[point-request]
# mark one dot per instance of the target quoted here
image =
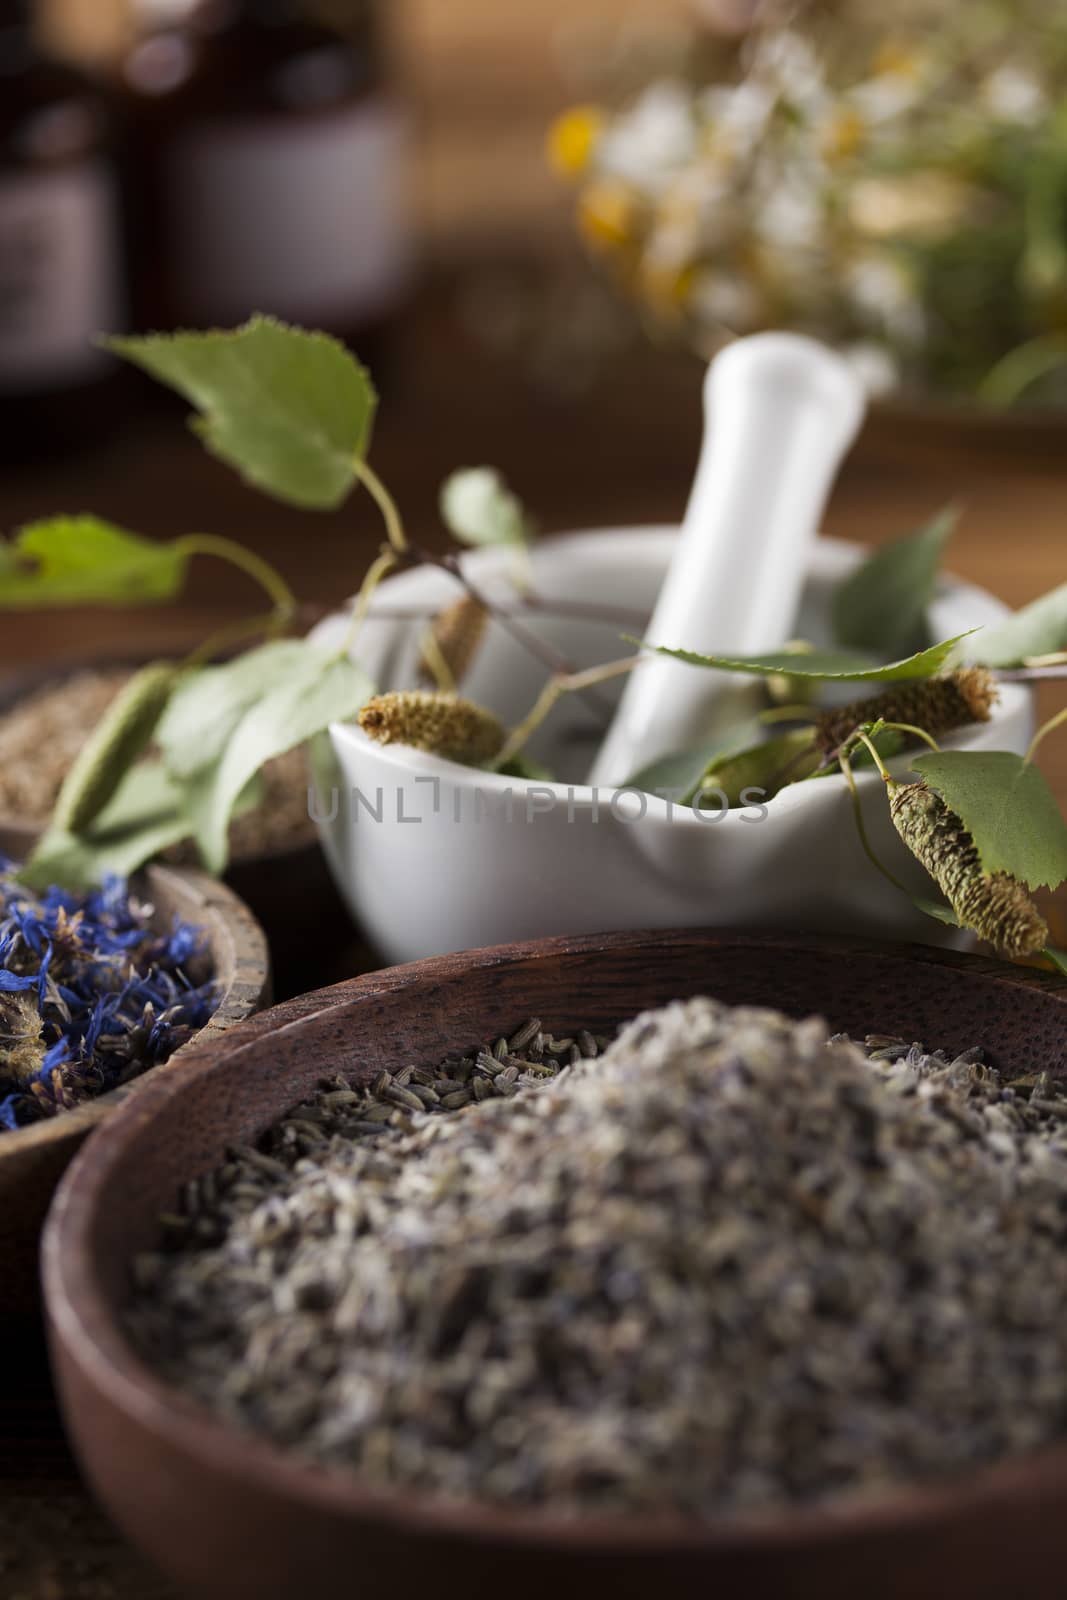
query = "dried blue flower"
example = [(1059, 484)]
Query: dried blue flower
[(90, 994)]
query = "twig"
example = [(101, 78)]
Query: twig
[(1029, 674), (558, 665)]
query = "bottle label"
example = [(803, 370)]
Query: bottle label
[(59, 275), (301, 218)]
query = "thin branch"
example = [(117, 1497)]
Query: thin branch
[(379, 568), (563, 683), (1053, 722), (1030, 674), (549, 658)]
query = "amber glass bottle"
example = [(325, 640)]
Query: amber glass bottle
[(61, 276), (268, 168)]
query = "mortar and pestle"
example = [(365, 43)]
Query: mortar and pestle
[(432, 856)]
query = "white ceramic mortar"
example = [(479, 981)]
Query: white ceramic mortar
[(525, 860)]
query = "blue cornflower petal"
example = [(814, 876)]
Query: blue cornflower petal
[(55, 1055), (92, 988), (16, 982), (42, 978), (9, 1111), (184, 942)]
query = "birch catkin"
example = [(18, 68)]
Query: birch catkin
[(443, 724), (457, 632), (995, 905), (937, 705)]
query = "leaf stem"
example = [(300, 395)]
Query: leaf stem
[(379, 568), (917, 733), (562, 683), (861, 826), (394, 525), (1053, 722), (434, 658), (230, 633), (268, 578), (865, 739)]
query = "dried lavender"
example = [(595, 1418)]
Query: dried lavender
[(91, 994), (728, 1263)]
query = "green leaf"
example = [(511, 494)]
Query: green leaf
[(113, 746), (207, 706), (85, 561), (681, 772), (321, 689), (1057, 957), (1039, 629), (883, 605), (145, 816), (1008, 808), (291, 410), (829, 666), (524, 767), (769, 766), (478, 508), (940, 910)]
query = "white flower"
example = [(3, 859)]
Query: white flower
[(874, 366), (791, 63), (652, 140), (879, 287), (791, 218), (1014, 95), (727, 300), (737, 116)]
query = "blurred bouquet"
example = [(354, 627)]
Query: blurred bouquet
[(903, 196)]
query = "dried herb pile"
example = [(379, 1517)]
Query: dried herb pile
[(90, 994), (727, 1264)]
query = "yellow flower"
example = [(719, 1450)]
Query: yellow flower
[(896, 59), (607, 214), (572, 138), (843, 135), (665, 286)]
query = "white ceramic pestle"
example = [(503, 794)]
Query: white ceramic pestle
[(780, 411)]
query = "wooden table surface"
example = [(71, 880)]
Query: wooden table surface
[(621, 451)]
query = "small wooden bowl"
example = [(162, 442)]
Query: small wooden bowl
[(228, 1515), (33, 1159)]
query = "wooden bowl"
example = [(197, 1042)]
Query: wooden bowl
[(226, 1514), (33, 1159)]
